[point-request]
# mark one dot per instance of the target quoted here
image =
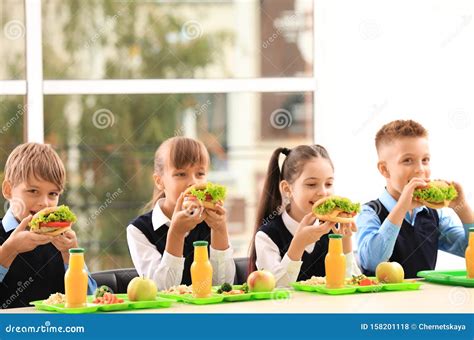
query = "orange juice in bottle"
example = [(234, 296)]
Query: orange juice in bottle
[(335, 263), (470, 255), (201, 271), (75, 280)]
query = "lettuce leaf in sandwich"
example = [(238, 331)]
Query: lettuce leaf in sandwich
[(340, 203), (61, 214), (436, 192), (215, 192)]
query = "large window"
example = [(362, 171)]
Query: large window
[(12, 40), (12, 70), (110, 80), (109, 39), (12, 111)]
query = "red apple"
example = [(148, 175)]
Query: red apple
[(390, 272), (141, 289), (261, 281)]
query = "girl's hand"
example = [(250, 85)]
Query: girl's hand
[(185, 220), (216, 219), (345, 229), (309, 233)]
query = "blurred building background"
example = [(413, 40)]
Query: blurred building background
[(107, 81), (108, 140)]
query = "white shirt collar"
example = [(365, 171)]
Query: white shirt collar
[(389, 203), (158, 217), (289, 222), (9, 221)]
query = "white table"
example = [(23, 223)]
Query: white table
[(430, 298)]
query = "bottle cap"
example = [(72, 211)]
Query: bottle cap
[(200, 243)]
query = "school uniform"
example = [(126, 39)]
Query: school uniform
[(414, 244), (146, 237), (33, 275), (272, 242)]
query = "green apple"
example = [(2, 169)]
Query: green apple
[(141, 289), (390, 272), (261, 281)]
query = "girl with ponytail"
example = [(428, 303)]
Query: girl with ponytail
[(288, 240)]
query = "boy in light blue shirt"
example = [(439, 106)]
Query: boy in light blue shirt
[(397, 228)]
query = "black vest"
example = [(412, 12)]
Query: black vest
[(313, 264), (201, 232), (33, 275), (416, 247)]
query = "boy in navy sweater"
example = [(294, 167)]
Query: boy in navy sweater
[(397, 228), (32, 266)]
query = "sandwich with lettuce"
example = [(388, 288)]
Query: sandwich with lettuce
[(436, 195), (205, 195), (335, 209), (52, 220)]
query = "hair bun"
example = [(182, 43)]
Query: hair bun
[(285, 151)]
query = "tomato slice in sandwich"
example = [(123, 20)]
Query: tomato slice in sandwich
[(55, 224)]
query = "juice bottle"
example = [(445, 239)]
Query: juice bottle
[(335, 263), (470, 255), (201, 271), (75, 280)]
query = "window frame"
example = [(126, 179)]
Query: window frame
[(35, 87)]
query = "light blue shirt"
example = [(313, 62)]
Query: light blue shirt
[(376, 240), (10, 223)]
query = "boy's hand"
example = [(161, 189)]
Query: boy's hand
[(460, 201), (185, 220), (22, 241), (406, 200), (64, 242), (460, 205)]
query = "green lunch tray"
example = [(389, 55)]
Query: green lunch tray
[(276, 294), (234, 298), (175, 297), (215, 298), (451, 277), (159, 302), (237, 297), (351, 289), (92, 307)]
